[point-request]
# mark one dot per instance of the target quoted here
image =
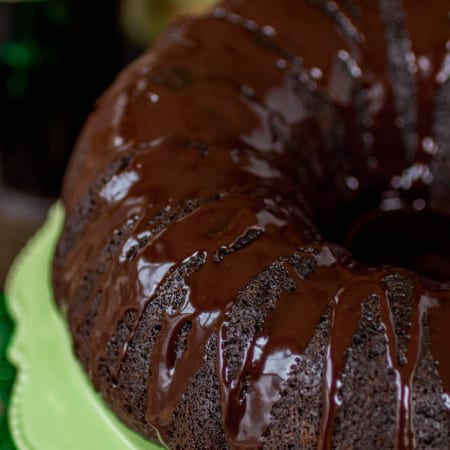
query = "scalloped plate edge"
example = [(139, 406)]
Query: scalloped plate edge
[(52, 406)]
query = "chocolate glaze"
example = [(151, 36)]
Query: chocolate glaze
[(226, 149)]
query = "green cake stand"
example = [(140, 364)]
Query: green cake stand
[(52, 406)]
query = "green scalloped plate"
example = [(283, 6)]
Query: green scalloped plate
[(53, 406)]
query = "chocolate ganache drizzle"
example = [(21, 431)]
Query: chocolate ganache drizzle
[(203, 299)]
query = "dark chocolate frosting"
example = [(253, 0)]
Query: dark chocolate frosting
[(197, 199)]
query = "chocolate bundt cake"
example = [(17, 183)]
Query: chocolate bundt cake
[(236, 209)]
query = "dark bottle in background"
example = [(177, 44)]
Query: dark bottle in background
[(56, 57), (33, 117)]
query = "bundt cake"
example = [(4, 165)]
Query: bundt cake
[(236, 208)]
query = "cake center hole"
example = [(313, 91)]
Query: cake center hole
[(418, 241)]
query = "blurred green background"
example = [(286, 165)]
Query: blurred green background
[(7, 373)]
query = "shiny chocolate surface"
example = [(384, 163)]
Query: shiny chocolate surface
[(239, 141)]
